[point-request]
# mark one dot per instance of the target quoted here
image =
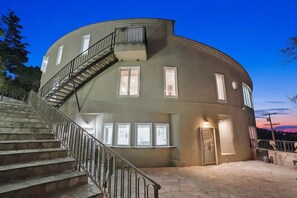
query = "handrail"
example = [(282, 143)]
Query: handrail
[(124, 35), (78, 61), (278, 145), (113, 174)]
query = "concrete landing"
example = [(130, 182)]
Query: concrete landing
[(249, 179)]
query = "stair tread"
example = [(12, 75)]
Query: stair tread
[(39, 180), (12, 152), (36, 163), (86, 190), (25, 141)]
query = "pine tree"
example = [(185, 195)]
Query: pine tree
[(12, 49)]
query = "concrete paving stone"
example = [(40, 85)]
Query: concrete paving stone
[(239, 179)]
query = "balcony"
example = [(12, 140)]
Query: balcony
[(130, 44)]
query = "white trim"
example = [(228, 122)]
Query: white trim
[(217, 78), (247, 95), (129, 77), (85, 38), (116, 135), (164, 82), (112, 133), (136, 135), (59, 54), (44, 64), (167, 134)]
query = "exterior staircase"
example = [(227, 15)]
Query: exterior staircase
[(93, 61), (32, 161)]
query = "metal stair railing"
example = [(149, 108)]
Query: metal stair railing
[(114, 175), (125, 35), (107, 43)]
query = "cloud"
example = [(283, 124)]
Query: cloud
[(260, 113), (276, 102)]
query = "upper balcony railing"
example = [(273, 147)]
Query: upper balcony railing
[(114, 175), (130, 35), (277, 145)]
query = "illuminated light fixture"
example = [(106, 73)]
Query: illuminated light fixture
[(206, 122)]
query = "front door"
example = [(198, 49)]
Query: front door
[(208, 146)]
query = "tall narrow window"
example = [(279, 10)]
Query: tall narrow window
[(107, 133), (129, 81), (143, 134), (247, 95), (123, 134), (162, 134), (59, 55), (44, 64), (221, 88), (85, 44), (170, 88)]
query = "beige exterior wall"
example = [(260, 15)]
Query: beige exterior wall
[(197, 95)]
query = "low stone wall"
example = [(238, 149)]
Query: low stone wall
[(283, 158)]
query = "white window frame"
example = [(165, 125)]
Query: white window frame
[(224, 99), (85, 41), (44, 64), (117, 133), (167, 134), (165, 82), (136, 134), (247, 95), (129, 78), (112, 133), (59, 54)]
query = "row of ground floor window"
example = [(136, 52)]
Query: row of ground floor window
[(146, 134)]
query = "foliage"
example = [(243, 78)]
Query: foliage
[(14, 75), (12, 49), (291, 50), (291, 53)]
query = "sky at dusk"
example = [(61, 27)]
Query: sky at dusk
[(250, 31)]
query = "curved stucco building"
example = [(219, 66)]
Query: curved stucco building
[(156, 98)]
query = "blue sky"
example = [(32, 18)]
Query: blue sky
[(250, 31)]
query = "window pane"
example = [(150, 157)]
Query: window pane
[(134, 76), (247, 95), (124, 82), (85, 43), (107, 134), (143, 134), (44, 64), (123, 134), (162, 135), (170, 82), (59, 55), (221, 87)]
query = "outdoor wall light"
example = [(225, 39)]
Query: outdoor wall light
[(206, 122)]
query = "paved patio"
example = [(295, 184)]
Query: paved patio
[(231, 180)]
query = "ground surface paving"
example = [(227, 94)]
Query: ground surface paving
[(231, 180)]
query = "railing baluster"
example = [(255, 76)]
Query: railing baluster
[(110, 172)]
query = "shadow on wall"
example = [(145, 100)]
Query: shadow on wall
[(157, 39)]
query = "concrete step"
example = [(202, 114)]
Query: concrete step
[(38, 187), (36, 168), (4, 124), (28, 144), (41, 129), (15, 107), (27, 155), (85, 191), (13, 118), (27, 136)]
